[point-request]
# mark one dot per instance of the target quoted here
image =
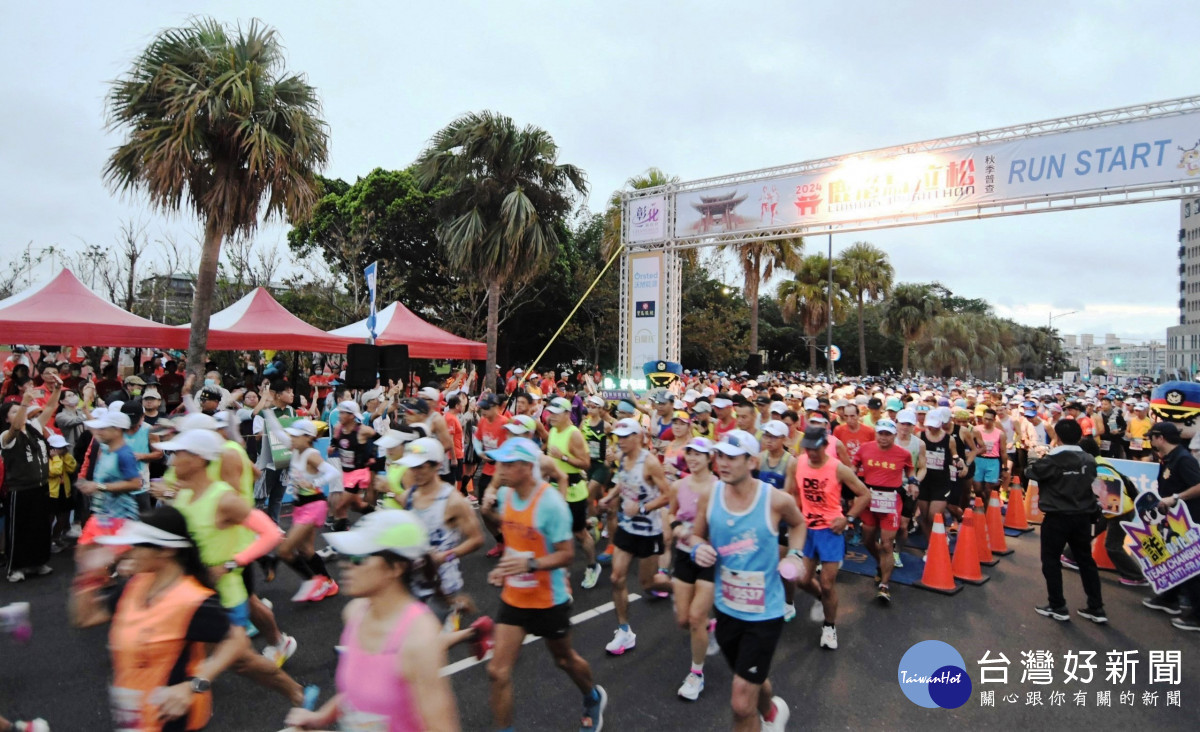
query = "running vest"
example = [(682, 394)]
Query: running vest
[(775, 474), (631, 481), (687, 500), (991, 443), (747, 544), (395, 481), (576, 480), (375, 695), (530, 590), (913, 447), (658, 433), (146, 643), (299, 473), (594, 437), (938, 461), (442, 538), (819, 492), (217, 546)]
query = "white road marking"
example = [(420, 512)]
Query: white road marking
[(470, 661)]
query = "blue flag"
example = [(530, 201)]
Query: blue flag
[(370, 272)]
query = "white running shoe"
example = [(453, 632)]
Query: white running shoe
[(327, 553), (829, 637), (713, 647), (279, 654), (75, 531), (623, 640), (789, 612), (306, 590), (270, 605), (692, 686), (591, 576), (896, 560), (781, 716), (817, 612)]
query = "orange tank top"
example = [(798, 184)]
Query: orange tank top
[(146, 643), (522, 538), (819, 492)]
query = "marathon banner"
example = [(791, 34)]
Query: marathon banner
[(1166, 542), (646, 319), (647, 219), (858, 189)]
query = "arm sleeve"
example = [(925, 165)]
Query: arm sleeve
[(268, 536), (209, 624)]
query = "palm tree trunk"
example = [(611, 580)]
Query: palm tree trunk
[(202, 302), (493, 316), (904, 359), (752, 292), (812, 356), (862, 339)]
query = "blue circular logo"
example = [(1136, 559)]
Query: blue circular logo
[(933, 674)]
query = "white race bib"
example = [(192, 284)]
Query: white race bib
[(126, 705), (524, 580), (744, 591), (352, 720), (884, 501), (935, 460), (1105, 445), (1135, 443)]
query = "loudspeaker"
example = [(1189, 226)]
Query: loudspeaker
[(393, 364), (362, 364), (754, 364)]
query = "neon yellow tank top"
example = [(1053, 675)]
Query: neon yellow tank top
[(395, 480), (246, 489), (217, 546), (577, 490)]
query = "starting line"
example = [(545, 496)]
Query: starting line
[(470, 661)]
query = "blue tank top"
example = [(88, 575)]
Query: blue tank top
[(776, 476), (747, 570)]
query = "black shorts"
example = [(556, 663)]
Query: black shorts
[(248, 578), (550, 622), (908, 506), (482, 483), (453, 476), (688, 572), (578, 515), (748, 647), (601, 473), (639, 546), (933, 491)]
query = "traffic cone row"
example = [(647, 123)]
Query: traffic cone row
[(1014, 516), (938, 575), (1033, 514)]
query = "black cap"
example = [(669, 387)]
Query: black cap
[(1077, 406), (1169, 431), (874, 403), (762, 401), (487, 401), (815, 438), (210, 392), (133, 409), (411, 404)]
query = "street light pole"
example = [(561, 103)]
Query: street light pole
[(829, 313)]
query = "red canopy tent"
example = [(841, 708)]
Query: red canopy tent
[(64, 311), (396, 325), (258, 322)]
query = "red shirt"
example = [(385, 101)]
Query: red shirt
[(456, 433), (881, 468), (856, 439), (491, 435)]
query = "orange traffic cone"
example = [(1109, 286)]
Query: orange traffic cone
[(1033, 514), (938, 575), (1014, 517), (983, 549), (996, 540), (966, 561), (1100, 554)]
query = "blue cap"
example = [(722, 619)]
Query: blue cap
[(1030, 412), (626, 406), (516, 450)]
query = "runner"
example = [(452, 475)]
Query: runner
[(885, 468), (737, 526), (906, 425), (567, 445), (692, 583), (988, 458), (941, 458), (489, 435), (776, 468), (642, 489), (388, 669), (351, 443), (818, 489), (1137, 432), (533, 573)]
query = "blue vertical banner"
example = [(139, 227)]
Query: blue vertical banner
[(370, 272)]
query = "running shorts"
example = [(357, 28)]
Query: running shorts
[(98, 526), (355, 480), (931, 491), (908, 505), (987, 470), (885, 521), (824, 545), (239, 615), (748, 646), (639, 546), (312, 513), (551, 622), (579, 511), (601, 473), (689, 572)]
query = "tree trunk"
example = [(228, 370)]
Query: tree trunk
[(904, 359), (493, 315), (752, 291), (862, 339), (812, 356), (206, 282)]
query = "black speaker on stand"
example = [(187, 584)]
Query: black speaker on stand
[(393, 364), (754, 364), (362, 365)]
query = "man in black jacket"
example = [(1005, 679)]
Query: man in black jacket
[(1065, 496)]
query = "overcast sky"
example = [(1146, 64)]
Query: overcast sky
[(697, 89)]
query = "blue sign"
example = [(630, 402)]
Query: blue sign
[(643, 309)]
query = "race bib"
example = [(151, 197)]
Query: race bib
[(935, 460), (1135, 443), (884, 501), (744, 591), (953, 472), (353, 720), (126, 705), (594, 450), (524, 580), (1105, 445)]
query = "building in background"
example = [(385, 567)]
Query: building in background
[(1183, 340), (1116, 358)]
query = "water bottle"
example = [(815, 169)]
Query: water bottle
[(14, 621)]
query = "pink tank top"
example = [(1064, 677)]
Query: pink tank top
[(375, 695), (687, 499)]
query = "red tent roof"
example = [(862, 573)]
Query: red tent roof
[(258, 322), (396, 324), (64, 311)]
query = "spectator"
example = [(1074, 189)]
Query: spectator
[(171, 386), (26, 459)]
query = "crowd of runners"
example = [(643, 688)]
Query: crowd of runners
[(730, 494)]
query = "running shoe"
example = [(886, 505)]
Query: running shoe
[(33, 725), (623, 640), (280, 653), (495, 551), (593, 711), (17, 576), (1190, 623), (829, 637), (57, 546), (482, 641), (884, 595), (591, 576), (1095, 615), (1155, 603), (75, 532), (692, 686), (779, 724), (270, 605), (329, 589), (817, 612), (1134, 582), (789, 612), (604, 558), (713, 647), (1058, 613), (1068, 562), (897, 560), (307, 587), (327, 553)]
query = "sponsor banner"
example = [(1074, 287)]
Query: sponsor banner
[(646, 319), (1155, 151), (647, 219), (1166, 542)]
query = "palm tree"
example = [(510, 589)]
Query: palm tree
[(805, 298), (506, 193), (652, 178), (870, 277), (214, 122), (907, 313), (758, 261)]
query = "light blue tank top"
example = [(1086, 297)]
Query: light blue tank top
[(747, 571)]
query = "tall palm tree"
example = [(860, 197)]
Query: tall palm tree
[(805, 299), (907, 312), (215, 123), (758, 260), (870, 279), (506, 193), (652, 178)]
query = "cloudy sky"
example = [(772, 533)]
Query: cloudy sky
[(697, 88)]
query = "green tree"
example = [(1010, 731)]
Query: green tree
[(505, 194), (805, 299), (908, 311), (758, 260), (214, 122), (714, 322), (869, 274)]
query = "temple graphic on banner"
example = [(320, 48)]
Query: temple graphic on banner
[(720, 207)]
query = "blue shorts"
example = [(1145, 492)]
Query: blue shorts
[(239, 615), (987, 470), (824, 545)]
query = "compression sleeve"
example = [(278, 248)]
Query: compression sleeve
[(268, 536)]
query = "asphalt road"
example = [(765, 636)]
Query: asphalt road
[(62, 673)]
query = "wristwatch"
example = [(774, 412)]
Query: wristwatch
[(200, 685), (532, 565), (231, 565), (102, 487)]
